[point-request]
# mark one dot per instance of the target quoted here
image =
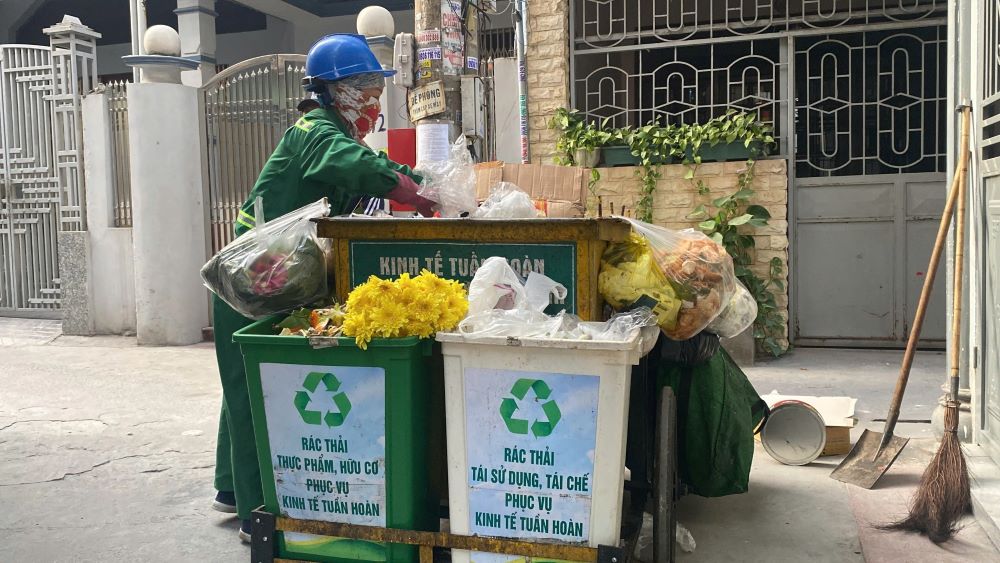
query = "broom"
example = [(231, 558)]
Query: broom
[(944, 495)]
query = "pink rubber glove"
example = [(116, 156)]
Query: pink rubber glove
[(405, 192)]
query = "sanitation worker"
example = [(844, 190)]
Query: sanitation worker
[(322, 155)]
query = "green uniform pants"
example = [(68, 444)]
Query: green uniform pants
[(236, 466)]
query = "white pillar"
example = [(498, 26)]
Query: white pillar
[(168, 213), (196, 26)]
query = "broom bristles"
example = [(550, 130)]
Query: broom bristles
[(944, 495)]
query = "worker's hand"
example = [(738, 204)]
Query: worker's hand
[(405, 192)]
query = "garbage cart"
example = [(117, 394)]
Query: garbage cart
[(566, 250)]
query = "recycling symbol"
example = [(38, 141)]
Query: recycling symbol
[(332, 384), (521, 426)]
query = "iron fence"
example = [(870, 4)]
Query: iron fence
[(121, 175)]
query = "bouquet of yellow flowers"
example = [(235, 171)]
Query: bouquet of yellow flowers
[(409, 306)]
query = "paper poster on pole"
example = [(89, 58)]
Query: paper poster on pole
[(432, 142), (326, 430), (451, 14), (426, 101), (531, 463), (453, 50)]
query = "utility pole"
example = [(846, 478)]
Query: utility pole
[(446, 49)]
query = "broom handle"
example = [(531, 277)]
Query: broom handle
[(925, 293), (956, 317)]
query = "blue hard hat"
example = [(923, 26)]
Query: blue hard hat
[(341, 55)]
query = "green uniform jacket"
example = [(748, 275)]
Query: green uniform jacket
[(317, 158)]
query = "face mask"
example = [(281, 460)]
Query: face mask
[(367, 121)]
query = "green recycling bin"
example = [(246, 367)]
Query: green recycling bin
[(341, 437)]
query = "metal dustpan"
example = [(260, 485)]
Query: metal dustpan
[(869, 460), (875, 452)]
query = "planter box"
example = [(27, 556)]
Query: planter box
[(723, 152)]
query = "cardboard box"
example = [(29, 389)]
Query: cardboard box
[(563, 189), (838, 416)]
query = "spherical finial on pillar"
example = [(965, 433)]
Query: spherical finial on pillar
[(375, 21), (162, 40)]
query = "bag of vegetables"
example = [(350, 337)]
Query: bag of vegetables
[(684, 277), (274, 267)]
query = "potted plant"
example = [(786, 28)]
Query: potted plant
[(579, 141)]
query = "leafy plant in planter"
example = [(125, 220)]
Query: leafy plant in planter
[(653, 145), (579, 140), (722, 221)]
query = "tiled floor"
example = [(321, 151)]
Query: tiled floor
[(28, 332)]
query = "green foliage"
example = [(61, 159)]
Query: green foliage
[(577, 134), (726, 220)]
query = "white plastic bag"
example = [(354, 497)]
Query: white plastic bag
[(507, 201), (738, 315), (274, 267), (644, 545), (495, 286), (450, 183)]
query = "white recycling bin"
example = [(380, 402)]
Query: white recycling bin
[(536, 438)]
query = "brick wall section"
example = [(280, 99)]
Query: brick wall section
[(547, 72), (676, 197)]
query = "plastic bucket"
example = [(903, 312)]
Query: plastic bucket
[(794, 433)]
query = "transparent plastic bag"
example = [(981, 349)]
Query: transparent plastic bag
[(739, 314), (684, 277), (451, 183), (507, 201), (273, 268)]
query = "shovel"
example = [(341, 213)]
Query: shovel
[(876, 451)]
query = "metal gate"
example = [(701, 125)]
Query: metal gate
[(248, 107), (856, 94), (986, 81), (30, 193)]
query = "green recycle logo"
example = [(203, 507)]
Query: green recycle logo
[(332, 384), (521, 426)]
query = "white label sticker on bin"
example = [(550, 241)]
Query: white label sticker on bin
[(326, 429), (531, 457)]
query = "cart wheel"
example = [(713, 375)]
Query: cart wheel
[(664, 515)]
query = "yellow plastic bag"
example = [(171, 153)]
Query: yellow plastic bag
[(630, 278)]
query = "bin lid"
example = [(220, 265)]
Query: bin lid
[(534, 342)]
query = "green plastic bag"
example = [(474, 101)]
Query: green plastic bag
[(718, 413)]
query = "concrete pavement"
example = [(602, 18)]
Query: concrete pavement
[(107, 452)]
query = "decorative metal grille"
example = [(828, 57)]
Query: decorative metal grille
[(603, 24), (30, 193), (248, 107), (679, 84), (871, 103), (118, 117), (868, 100), (990, 35)]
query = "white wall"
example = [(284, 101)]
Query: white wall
[(12, 12), (306, 34), (110, 269)]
